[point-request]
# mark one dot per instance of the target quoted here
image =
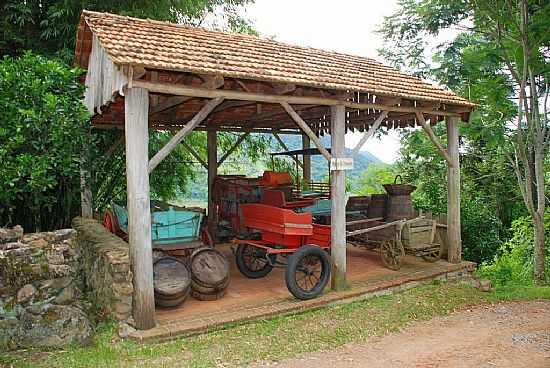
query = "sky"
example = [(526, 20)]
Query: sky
[(346, 26)]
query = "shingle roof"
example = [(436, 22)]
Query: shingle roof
[(167, 46)]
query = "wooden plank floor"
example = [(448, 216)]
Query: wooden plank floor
[(243, 294)]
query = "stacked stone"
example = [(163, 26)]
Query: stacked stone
[(40, 293), (105, 263)]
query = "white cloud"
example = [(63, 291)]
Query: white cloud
[(346, 26)]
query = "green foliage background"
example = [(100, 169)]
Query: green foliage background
[(41, 115), (472, 64), (44, 128)]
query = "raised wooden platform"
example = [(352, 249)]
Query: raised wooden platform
[(248, 299)]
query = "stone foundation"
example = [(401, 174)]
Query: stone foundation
[(40, 290), (105, 267)]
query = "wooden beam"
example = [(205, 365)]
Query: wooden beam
[(179, 136), (298, 162), (282, 88), (209, 82), (231, 104), (195, 154), (433, 138), (370, 132), (388, 100), (154, 98), (277, 116), (306, 129), (259, 97), (212, 147), (338, 200), (233, 148), (136, 103), (86, 200), (453, 194), (306, 159)]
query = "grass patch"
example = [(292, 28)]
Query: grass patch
[(279, 337)]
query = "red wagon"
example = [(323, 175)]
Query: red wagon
[(284, 237)]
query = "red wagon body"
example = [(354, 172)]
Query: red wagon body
[(292, 236)]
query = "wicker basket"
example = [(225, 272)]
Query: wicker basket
[(399, 189)]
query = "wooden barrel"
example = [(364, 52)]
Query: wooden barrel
[(399, 207), (399, 204), (209, 274), (377, 206), (171, 281)]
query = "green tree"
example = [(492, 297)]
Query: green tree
[(372, 179), (499, 59), (49, 26), (171, 178), (41, 122)]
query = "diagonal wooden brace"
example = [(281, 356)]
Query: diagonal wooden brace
[(282, 143), (179, 136), (195, 154), (306, 129), (433, 138), (233, 148), (369, 133)]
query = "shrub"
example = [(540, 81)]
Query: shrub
[(41, 135), (480, 231), (514, 264)]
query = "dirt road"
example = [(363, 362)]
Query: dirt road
[(503, 335)]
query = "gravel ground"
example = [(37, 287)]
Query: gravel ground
[(502, 335)]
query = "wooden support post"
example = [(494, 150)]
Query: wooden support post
[(306, 160), (179, 136), (338, 203), (212, 142), (453, 193), (136, 105), (86, 205)]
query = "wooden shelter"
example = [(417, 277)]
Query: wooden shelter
[(144, 74)]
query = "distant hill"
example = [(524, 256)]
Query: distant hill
[(319, 166), (197, 188)]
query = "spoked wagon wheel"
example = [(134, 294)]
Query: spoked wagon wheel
[(432, 256), (392, 253), (252, 261), (307, 272)]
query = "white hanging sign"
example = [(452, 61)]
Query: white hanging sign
[(341, 163)]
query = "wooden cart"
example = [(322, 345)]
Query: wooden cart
[(176, 230), (394, 239), (288, 239)]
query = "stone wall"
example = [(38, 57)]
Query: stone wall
[(40, 290), (105, 265)]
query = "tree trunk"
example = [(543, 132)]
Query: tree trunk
[(539, 267)]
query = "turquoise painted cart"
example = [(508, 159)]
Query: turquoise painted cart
[(172, 227)]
